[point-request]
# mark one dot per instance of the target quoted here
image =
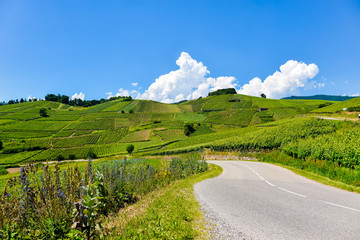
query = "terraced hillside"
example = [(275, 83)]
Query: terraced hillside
[(106, 129)]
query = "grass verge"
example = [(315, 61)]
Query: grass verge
[(168, 213), (315, 170)]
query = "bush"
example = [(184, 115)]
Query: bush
[(1, 145), (72, 157), (188, 129), (3, 170), (130, 148), (91, 155), (43, 112), (60, 157)]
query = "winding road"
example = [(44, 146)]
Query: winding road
[(254, 200)]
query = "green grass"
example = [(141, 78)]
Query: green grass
[(169, 213)]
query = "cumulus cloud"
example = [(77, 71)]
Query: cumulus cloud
[(78, 96), (292, 76), (188, 82), (191, 80)]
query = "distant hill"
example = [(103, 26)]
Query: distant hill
[(323, 97), (350, 105)]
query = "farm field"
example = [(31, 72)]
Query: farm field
[(153, 128)]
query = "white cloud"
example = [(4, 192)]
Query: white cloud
[(134, 84), (78, 96), (293, 75), (191, 81), (188, 82)]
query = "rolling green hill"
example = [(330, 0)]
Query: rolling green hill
[(340, 106), (106, 129)]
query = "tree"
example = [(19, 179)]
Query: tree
[(263, 95), (91, 155), (1, 145), (130, 148), (60, 158), (131, 111), (189, 129), (43, 112)]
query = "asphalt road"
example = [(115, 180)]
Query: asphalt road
[(253, 200)]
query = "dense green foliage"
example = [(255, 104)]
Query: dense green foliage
[(223, 91), (71, 203)]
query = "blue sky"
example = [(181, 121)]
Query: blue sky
[(97, 47)]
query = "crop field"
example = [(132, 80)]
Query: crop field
[(35, 126), (137, 136), (64, 133), (216, 103), (156, 107), (169, 135), (82, 132), (117, 107), (8, 135), (8, 159), (38, 142), (339, 106), (103, 128), (189, 117), (98, 124), (113, 136), (130, 106), (75, 141)]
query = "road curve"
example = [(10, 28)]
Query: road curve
[(254, 200)]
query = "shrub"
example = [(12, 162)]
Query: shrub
[(43, 112), (72, 157), (1, 145), (60, 157), (130, 148), (188, 129), (3, 170), (91, 155)]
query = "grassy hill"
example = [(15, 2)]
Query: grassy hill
[(106, 129), (340, 106)]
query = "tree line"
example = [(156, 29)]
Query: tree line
[(79, 102), (67, 100)]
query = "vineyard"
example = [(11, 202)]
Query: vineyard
[(221, 122)]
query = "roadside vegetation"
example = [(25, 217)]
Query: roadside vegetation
[(72, 203)]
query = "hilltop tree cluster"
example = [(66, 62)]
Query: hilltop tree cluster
[(18, 101), (79, 102)]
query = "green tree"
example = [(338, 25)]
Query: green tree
[(130, 148), (189, 129), (263, 95), (1, 145), (91, 155), (43, 112)]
